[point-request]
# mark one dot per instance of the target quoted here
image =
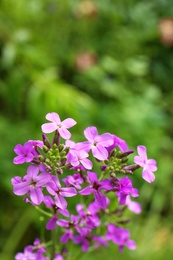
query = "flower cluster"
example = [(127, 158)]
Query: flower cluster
[(61, 168)]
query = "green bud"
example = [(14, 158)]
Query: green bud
[(60, 147), (45, 148), (54, 146), (41, 158)]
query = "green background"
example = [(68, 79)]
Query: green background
[(106, 63)]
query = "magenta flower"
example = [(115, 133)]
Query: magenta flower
[(77, 157), (97, 143), (27, 254), (54, 188), (57, 124), (82, 239), (95, 187), (124, 189), (32, 252), (120, 236), (49, 202), (88, 217), (148, 165), (58, 257), (32, 184), (73, 180), (24, 153)]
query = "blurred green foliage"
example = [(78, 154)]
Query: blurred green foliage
[(103, 63)]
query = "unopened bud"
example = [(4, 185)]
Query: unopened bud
[(46, 141)]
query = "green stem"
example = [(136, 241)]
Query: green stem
[(53, 244), (43, 211)]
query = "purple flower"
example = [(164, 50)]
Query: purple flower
[(83, 239), (99, 241), (124, 189), (120, 236), (88, 218), (49, 202), (31, 184), (35, 144), (68, 225), (58, 257), (24, 153), (95, 187), (27, 254), (73, 180), (55, 189), (77, 157), (57, 124), (148, 165), (97, 143), (32, 252)]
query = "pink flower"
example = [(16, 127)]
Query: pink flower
[(148, 165), (55, 189), (97, 143), (32, 184), (24, 153), (57, 124)]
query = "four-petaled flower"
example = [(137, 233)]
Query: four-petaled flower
[(32, 184), (95, 187), (57, 124), (97, 143), (55, 189), (24, 153), (120, 236), (148, 165)]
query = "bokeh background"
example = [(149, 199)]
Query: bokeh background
[(107, 63)]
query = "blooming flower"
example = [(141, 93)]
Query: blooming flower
[(31, 184), (24, 153), (73, 180), (49, 202), (120, 236), (55, 189), (88, 217), (148, 165), (57, 124), (95, 187), (32, 252), (82, 239), (77, 157), (124, 189), (97, 143)]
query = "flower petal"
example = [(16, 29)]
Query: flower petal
[(148, 176), (36, 195), (64, 133), (68, 192), (49, 128), (69, 122), (53, 117), (90, 133), (142, 151), (100, 152)]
